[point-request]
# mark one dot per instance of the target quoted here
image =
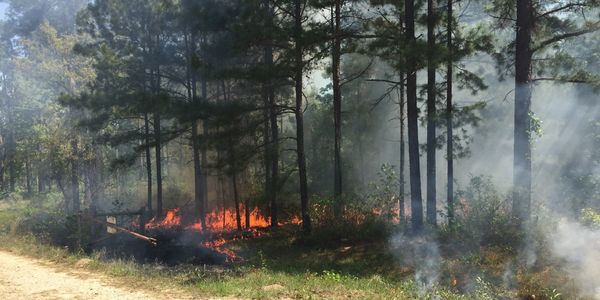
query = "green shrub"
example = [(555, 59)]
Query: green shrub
[(590, 218), (483, 218), (51, 226), (334, 233)]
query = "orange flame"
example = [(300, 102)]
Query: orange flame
[(227, 220), (220, 221), (172, 219)]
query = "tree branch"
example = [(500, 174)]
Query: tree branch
[(358, 74), (561, 8), (561, 80), (567, 35), (386, 81)]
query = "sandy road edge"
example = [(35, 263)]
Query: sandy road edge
[(37, 278)]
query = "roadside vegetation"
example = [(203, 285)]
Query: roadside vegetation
[(376, 261)]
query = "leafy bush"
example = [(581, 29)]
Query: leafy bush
[(384, 192), (590, 218), (51, 226), (334, 232), (483, 217)]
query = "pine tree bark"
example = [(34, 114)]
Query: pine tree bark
[(75, 201), (268, 150), (95, 179), (11, 143), (236, 196), (449, 112), (431, 115), (11, 156), (148, 165), (273, 143), (198, 186), (204, 154), (522, 117), (158, 159), (2, 181), (247, 212), (87, 190), (40, 181), (337, 110), (413, 126), (402, 192), (158, 131), (274, 158), (299, 70), (12, 174), (28, 175)]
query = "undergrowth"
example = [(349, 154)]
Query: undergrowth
[(478, 257)]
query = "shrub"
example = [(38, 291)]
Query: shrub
[(590, 218), (51, 226), (483, 217)]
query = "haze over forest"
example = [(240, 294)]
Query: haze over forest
[(382, 149)]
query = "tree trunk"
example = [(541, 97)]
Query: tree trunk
[(65, 192), (11, 145), (299, 66), (204, 164), (41, 172), (198, 186), (148, 165), (236, 196), (431, 115), (401, 195), (522, 142), (268, 152), (198, 190), (449, 125), (95, 179), (87, 189), (12, 174), (413, 126), (2, 181), (157, 138), (204, 168), (272, 157), (11, 156), (76, 202), (28, 179), (247, 211), (40, 181), (337, 110), (222, 193)]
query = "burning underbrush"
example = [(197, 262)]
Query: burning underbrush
[(173, 241)]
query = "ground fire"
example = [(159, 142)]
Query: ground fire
[(221, 228)]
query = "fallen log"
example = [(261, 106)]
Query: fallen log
[(150, 240)]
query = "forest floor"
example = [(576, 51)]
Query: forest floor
[(276, 265), (29, 278)]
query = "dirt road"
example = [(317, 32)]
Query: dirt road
[(26, 278)]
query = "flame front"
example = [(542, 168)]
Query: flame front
[(226, 220), (220, 222), (172, 219)]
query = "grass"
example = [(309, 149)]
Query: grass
[(283, 265)]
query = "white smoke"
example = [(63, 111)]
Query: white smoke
[(421, 253), (579, 247)]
